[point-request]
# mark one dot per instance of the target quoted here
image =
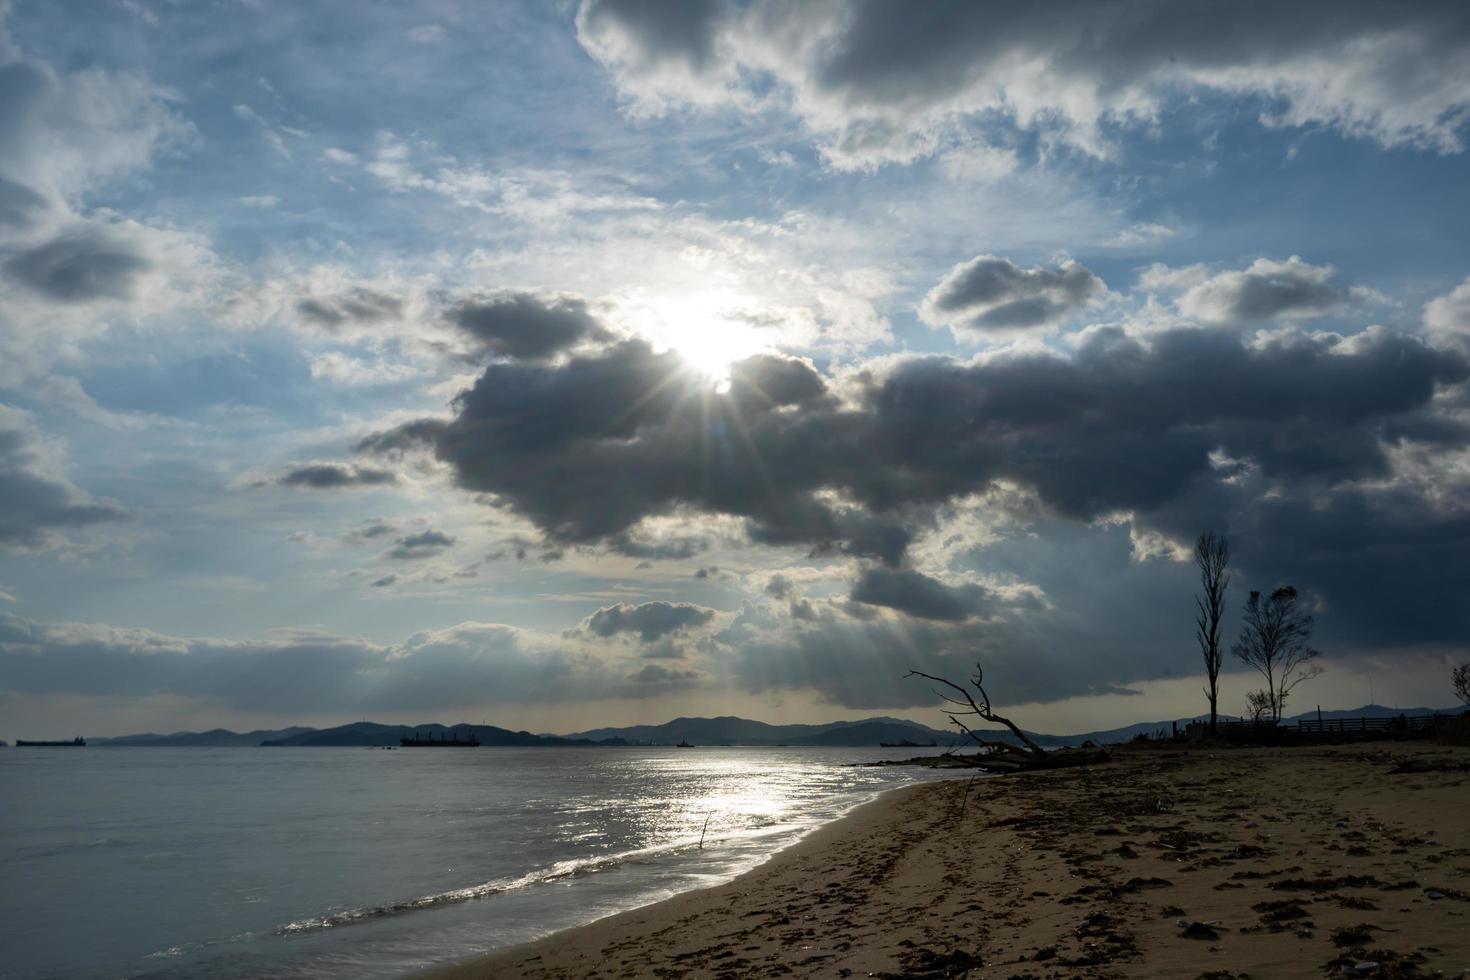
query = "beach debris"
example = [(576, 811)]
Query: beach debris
[(1139, 884), (1362, 962), (1354, 935), (1276, 915), (1198, 930), (925, 964)]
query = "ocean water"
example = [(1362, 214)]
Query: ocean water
[(305, 863)]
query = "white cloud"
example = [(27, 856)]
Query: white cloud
[(1267, 290), (875, 84), (1447, 317)]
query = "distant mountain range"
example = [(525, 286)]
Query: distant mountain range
[(742, 731), (726, 730)]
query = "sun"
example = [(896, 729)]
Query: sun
[(708, 330)]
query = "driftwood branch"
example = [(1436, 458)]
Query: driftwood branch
[(981, 709)]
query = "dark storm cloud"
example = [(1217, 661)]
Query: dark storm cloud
[(991, 295), (650, 620), (35, 503), (874, 83), (635, 424), (335, 476), (682, 33), (918, 595), (79, 266), (425, 544), (354, 306), (1122, 425), (384, 582), (525, 325)]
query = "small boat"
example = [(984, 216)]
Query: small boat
[(683, 743), (444, 742), (78, 741)]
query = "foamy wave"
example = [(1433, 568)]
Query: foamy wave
[(556, 872)]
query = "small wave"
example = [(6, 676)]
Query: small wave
[(749, 829), (559, 871)]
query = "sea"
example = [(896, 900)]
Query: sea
[(352, 862)]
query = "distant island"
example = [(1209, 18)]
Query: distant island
[(722, 731)]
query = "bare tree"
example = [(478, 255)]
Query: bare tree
[(1212, 555), (1257, 705), (1273, 640), (1460, 678), (967, 707)]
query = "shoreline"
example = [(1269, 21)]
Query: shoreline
[(470, 967), (1167, 863)]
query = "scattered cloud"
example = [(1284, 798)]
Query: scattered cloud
[(990, 297), (1268, 290), (650, 620), (524, 325), (424, 544), (37, 501), (335, 476), (873, 85)]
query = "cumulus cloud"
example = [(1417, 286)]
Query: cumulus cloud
[(1269, 290), (335, 476), (874, 84), (638, 424), (368, 531), (989, 297), (424, 544), (1122, 425), (658, 674), (665, 548), (79, 267), (650, 620), (62, 134), (37, 501), (294, 671), (1447, 317), (20, 206), (918, 595), (356, 306), (525, 325)]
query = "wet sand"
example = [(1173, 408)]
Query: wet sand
[(1165, 863)]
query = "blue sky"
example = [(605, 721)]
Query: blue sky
[(320, 327)]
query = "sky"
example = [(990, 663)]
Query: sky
[(559, 365)]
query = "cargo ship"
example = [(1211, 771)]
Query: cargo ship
[(76, 741), (416, 741)]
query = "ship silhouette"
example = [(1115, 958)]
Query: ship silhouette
[(448, 741)]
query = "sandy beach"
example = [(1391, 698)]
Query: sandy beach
[(1341, 861)]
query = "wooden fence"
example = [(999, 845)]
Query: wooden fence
[(1321, 729)]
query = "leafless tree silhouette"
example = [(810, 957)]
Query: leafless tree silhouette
[(1212, 555), (965, 706), (1258, 705), (1273, 640), (1460, 678)]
